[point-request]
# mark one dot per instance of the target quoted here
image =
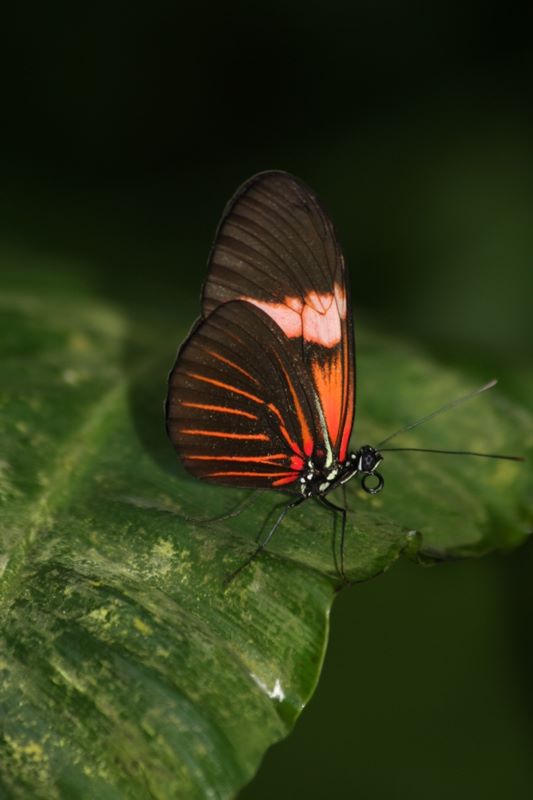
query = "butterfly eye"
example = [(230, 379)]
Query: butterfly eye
[(369, 462), (369, 458)]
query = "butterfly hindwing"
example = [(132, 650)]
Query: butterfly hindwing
[(238, 408)]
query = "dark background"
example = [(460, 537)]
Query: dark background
[(412, 122), (124, 130)]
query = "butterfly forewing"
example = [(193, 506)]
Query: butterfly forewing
[(277, 248), (275, 348), (274, 241)]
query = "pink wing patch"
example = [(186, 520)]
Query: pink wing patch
[(317, 318)]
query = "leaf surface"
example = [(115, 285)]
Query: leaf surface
[(129, 670)]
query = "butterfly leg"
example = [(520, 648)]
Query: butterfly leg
[(345, 497), (334, 508), (261, 546)]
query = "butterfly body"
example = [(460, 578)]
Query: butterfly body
[(318, 482)]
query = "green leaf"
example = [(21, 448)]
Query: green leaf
[(461, 505), (129, 670)]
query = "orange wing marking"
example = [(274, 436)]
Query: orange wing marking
[(308, 442), (284, 432), (288, 479), (285, 477), (349, 408), (348, 391), (232, 364), (259, 437), (225, 386), (257, 459), (297, 463), (328, 382), (222, 409), (307, 438)]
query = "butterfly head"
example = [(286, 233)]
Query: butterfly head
[(367, 459), (365, 462)]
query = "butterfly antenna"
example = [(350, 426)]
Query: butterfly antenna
[(449, 452), (459, 401)]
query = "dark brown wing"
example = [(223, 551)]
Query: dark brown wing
[(276, 248), (239, 407)]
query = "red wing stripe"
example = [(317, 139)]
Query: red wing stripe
[(328, 380), (307, 438), (259, 437), (222, 409), (284, 432), (349, 406), (232, 364), (225, 386), (235, 473), (257, 459), (289, 479)]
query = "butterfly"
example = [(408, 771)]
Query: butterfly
[(262, 394)]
